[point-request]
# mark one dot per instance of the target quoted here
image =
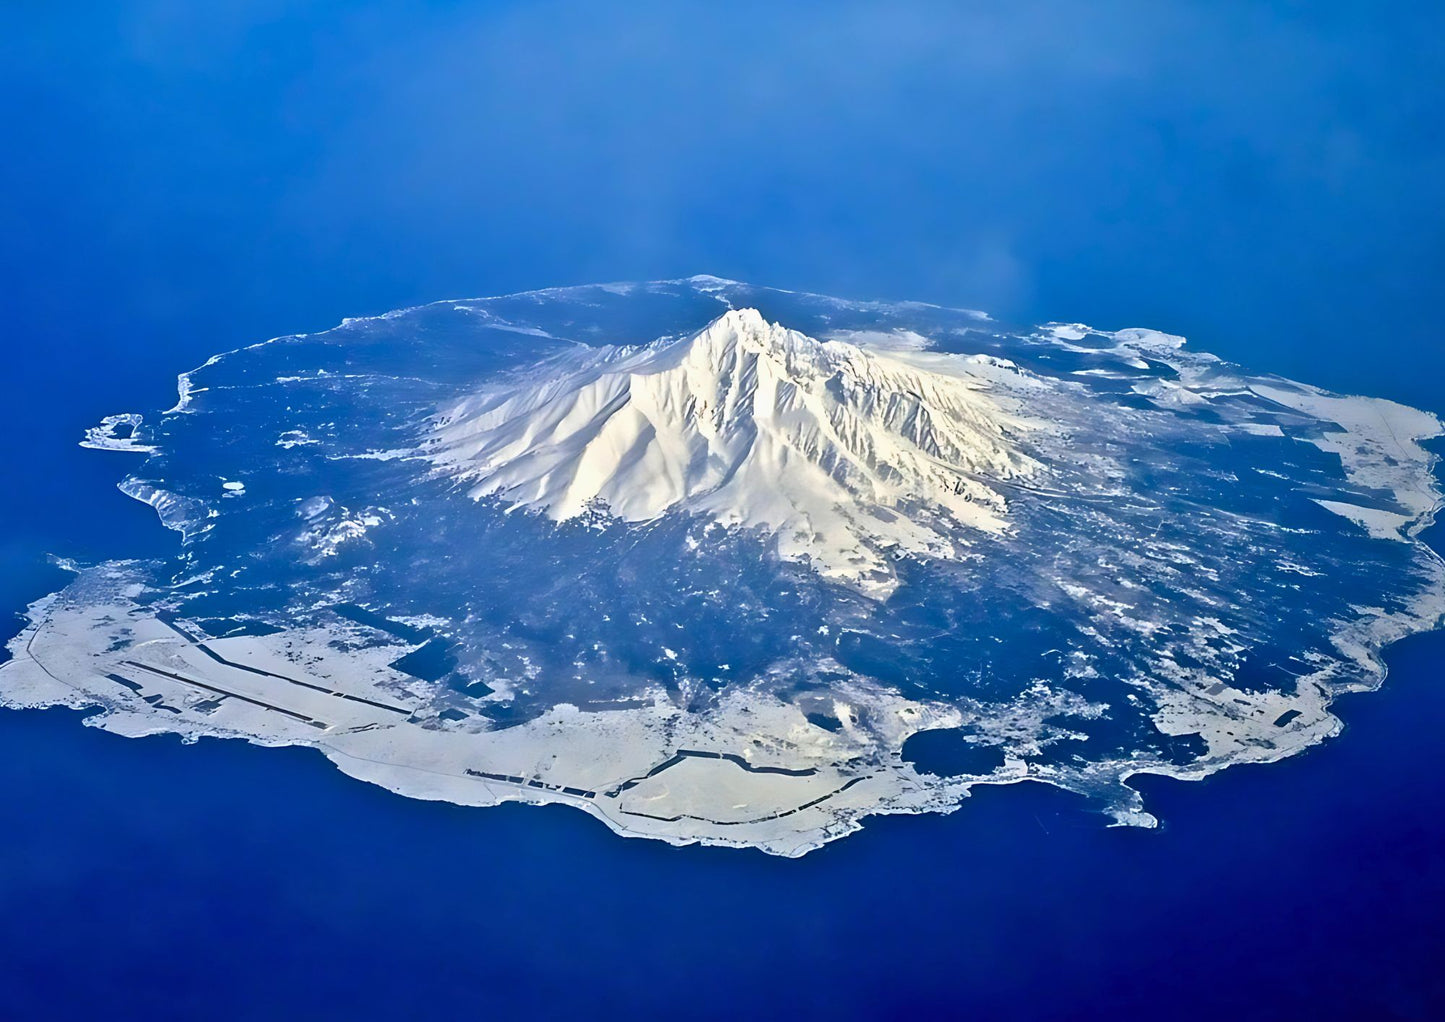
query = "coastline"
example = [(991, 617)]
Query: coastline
[(804, 784)]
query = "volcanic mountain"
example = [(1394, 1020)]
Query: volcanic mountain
[(848, 454)]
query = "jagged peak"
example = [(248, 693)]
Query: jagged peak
[(744, 333), (747, 331), (840, 452)]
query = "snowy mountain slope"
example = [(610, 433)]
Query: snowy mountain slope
[(844, 453)]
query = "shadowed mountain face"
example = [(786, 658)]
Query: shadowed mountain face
[(842, 451)]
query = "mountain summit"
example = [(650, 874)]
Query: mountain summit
[(844, 452)]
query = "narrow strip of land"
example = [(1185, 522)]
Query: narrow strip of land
[(199, 643), (731, 757), (756, 819), (532, 783), (226, 692)]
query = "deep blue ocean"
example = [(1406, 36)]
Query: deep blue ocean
[(185, 179)]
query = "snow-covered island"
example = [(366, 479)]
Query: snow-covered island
[(702, 559)]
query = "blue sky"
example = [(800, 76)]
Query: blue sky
[(1262, 177)]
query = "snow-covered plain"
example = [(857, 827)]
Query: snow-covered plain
[(700, 558)]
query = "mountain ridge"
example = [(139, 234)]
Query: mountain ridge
[(848, 455)]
